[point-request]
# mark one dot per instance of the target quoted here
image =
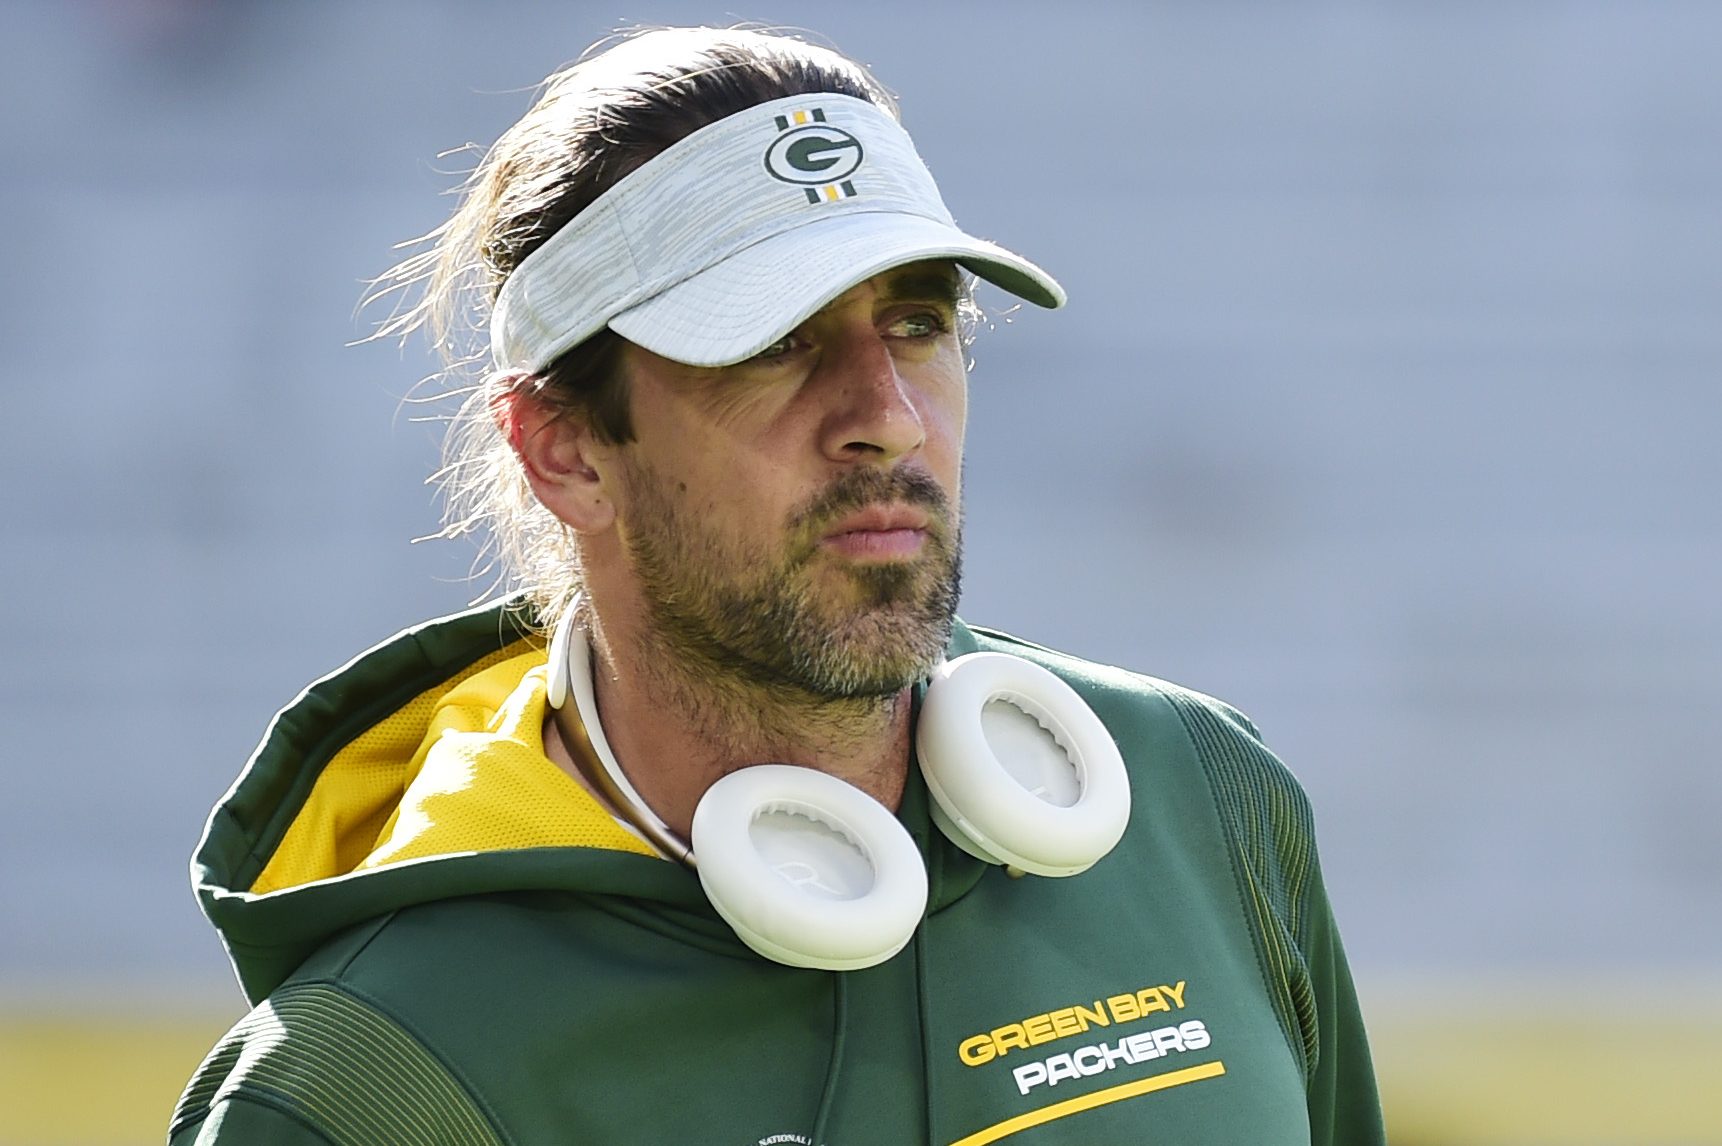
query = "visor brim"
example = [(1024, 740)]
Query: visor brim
[(734, 309)]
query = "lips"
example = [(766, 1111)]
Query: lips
[(878, 533), (879, 519)]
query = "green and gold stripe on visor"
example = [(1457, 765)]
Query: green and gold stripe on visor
[(825, 192)]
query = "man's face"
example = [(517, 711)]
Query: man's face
[(794, 520)]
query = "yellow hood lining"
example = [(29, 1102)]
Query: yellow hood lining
[(459, 768)]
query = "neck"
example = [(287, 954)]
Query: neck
[(677, 727)]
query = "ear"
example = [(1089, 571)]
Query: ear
[(559, 455)]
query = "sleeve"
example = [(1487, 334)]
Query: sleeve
[(316, 1064), (238, 1120), (1270, 830), (1344, 1107)]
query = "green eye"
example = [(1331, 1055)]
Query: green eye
[(920, 326), (777, 349)]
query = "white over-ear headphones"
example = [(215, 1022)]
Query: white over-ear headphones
[(813, 872)]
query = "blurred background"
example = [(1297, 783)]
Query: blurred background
[(1386, 407)]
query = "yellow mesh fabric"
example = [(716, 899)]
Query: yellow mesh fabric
[(493, 787), (459, 768)]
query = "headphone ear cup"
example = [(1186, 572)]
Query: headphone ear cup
[(808, 870), (1020, 769)]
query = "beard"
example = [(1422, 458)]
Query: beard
[(792, 615)]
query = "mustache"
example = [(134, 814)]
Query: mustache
[(860, 488)]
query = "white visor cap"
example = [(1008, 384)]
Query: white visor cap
[(730, 238)]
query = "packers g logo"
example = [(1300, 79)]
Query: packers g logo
[(814, 155)]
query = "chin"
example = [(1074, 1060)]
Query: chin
[(879, 653)]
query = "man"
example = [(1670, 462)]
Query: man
[(742, 858)]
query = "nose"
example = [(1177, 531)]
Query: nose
[(871, 414)]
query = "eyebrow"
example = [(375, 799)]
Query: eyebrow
[(939, 284), (919, 282)]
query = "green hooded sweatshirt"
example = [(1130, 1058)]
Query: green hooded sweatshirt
[(447, 940)]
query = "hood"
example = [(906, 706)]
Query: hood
[(416, 772)]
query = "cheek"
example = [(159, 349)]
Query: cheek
[(945, 410), (738, 503)]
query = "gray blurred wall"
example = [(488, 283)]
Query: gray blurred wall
[(1385, 407)]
